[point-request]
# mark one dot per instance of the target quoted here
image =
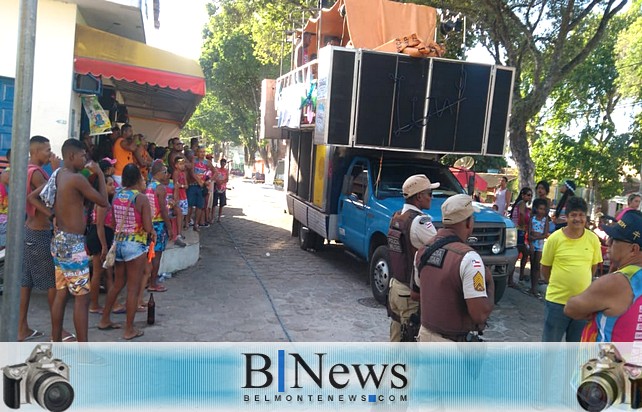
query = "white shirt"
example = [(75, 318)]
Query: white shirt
[(421, 229), (500, 201)]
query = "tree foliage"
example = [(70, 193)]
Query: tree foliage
[(629, 52), (243, 45), (585, 102), (545, 41)]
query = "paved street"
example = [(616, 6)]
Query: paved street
[(253, 283)]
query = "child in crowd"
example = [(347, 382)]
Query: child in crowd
[(173, 210), (157, 195), (539, 229), (180, 192), (520, 215)]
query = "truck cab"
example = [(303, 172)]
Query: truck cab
[(370, 195)]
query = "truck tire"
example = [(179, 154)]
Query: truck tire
[(500, 288), (380, 274), (307, 238)]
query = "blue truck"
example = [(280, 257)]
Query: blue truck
[(359, 122), (358, 192)]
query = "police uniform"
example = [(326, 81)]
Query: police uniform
[(409, 230), (450, 276)]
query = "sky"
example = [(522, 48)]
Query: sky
[(181, 27)]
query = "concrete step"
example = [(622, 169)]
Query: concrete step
[(177, 258)]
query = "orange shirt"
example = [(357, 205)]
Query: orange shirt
[(123, 157)]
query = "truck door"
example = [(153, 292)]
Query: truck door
[(353, 208)]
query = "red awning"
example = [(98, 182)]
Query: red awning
[(463, 175), (140, 75)]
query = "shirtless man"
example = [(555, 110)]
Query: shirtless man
[(175, 147), (38, 265), (68, 244)]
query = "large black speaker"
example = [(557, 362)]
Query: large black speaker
[(391, 100), (500, 111), (334, 96), (457, 102), (341, 97)]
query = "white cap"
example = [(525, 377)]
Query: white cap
[(457, 208), (417, 184)]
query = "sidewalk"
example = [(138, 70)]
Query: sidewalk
[(253, 283)]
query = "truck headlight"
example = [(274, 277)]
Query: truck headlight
[(511, 237)]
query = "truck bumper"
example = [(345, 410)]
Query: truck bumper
[(502, 265)]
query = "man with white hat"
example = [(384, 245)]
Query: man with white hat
[(457, 290), (410, 228)]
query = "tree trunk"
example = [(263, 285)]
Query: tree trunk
[(521, 153)]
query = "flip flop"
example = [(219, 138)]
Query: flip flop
[(98, 311), (111, 326), (70, 338), (158, 288), (119, 311), (138, 334), (141, 309), (35, 334)]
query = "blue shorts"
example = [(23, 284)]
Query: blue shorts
[(3, 234), (127, 250), (195, 196), (182, 204), (161, 236)]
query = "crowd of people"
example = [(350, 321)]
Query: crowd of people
[(441, 290), (102, 216)]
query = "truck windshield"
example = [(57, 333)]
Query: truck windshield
[(394, 174)]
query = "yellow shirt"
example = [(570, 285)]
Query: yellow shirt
[(571, 261)]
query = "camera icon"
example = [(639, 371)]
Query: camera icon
[(609, 380), (41, 378)]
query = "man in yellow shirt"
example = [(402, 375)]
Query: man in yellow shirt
[(569, 260)]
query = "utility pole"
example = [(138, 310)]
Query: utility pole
[(18, 181)]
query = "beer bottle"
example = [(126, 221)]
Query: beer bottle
[(151, 310)]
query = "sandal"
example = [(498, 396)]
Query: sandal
[(157, 288)]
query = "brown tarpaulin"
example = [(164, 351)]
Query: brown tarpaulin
[(371, 23)]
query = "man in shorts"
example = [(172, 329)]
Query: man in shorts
[(68, 245), (38, 267)]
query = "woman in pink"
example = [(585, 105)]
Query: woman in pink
[(180, 192), (632, 203), (133, 222), (99, 240)]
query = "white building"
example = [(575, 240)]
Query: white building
[(81, 43)]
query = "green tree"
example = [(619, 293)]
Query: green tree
[(242, 46), (629, 65), (545, 41), (585, 101)]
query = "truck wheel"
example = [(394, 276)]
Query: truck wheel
[(500, 288), (380, 274), (307, 238)]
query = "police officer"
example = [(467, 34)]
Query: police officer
[(409, 229), (457, 291)]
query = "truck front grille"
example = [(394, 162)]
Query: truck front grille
[(485, 236)]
